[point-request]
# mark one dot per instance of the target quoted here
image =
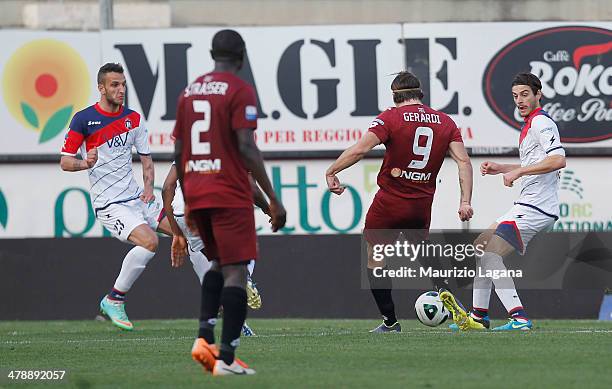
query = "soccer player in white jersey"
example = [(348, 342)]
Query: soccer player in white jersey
[(186, 242), (536, 209), (105, 134)]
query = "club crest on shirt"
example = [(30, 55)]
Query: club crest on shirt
[(128, 124), (376, 122), (250, 112)]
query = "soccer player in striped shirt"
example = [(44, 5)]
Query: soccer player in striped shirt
[(105, 134)]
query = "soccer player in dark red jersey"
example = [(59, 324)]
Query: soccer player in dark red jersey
[(417, 139), (214, 152)]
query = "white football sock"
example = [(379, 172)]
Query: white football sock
[(504, 286), (251, 266), (200, 264), (133, 264), (481, 294)]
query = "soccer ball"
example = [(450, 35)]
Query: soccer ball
[(430, 310)]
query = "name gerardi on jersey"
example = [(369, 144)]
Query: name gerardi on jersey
[(422, 117), (455, 272)]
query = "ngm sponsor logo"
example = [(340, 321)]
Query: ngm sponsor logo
[(574, 64), (575, 211), (203, 165), (410, 175), (44, 82)]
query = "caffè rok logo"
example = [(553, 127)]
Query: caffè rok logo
[(574, 64), (44, 82)]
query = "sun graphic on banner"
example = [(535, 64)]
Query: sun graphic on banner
[(44, 82)]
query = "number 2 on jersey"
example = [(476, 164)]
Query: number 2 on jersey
[(199, 126), (421, 150)]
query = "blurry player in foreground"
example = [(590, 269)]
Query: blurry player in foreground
[(105, 133), (214, 152), (186, 242), (417, 139), (536, 209)]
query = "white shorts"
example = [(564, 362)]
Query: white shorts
[(520, 224), (121, 218), (193, 239)]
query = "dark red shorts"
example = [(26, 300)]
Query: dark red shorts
[(389, 212), (228, 234)]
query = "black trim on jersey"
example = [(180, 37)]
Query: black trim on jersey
[(107, 162), (181, 215), (114, 202), (530, 150), (146, 155), (123, 191), (554, 148), (537, 209), (113, 184), (92, 185), (528, 185)]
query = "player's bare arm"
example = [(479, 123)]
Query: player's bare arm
[(258, 197), (461, 157), (493, 168), (148, 176), (69, 163), (348, 158), (178, 249), (547, 165), (251, 156)]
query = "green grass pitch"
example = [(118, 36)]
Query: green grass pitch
[(314, 353)]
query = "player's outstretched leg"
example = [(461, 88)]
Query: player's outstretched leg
[(381, 291), (506, 291), (460, 316), (134, 263), (234, 301), (481, 295)]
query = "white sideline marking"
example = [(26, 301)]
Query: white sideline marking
[(177, 338)]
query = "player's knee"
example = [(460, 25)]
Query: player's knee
[(235, 275), (214, 266), (151, 242), (482, 241)]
